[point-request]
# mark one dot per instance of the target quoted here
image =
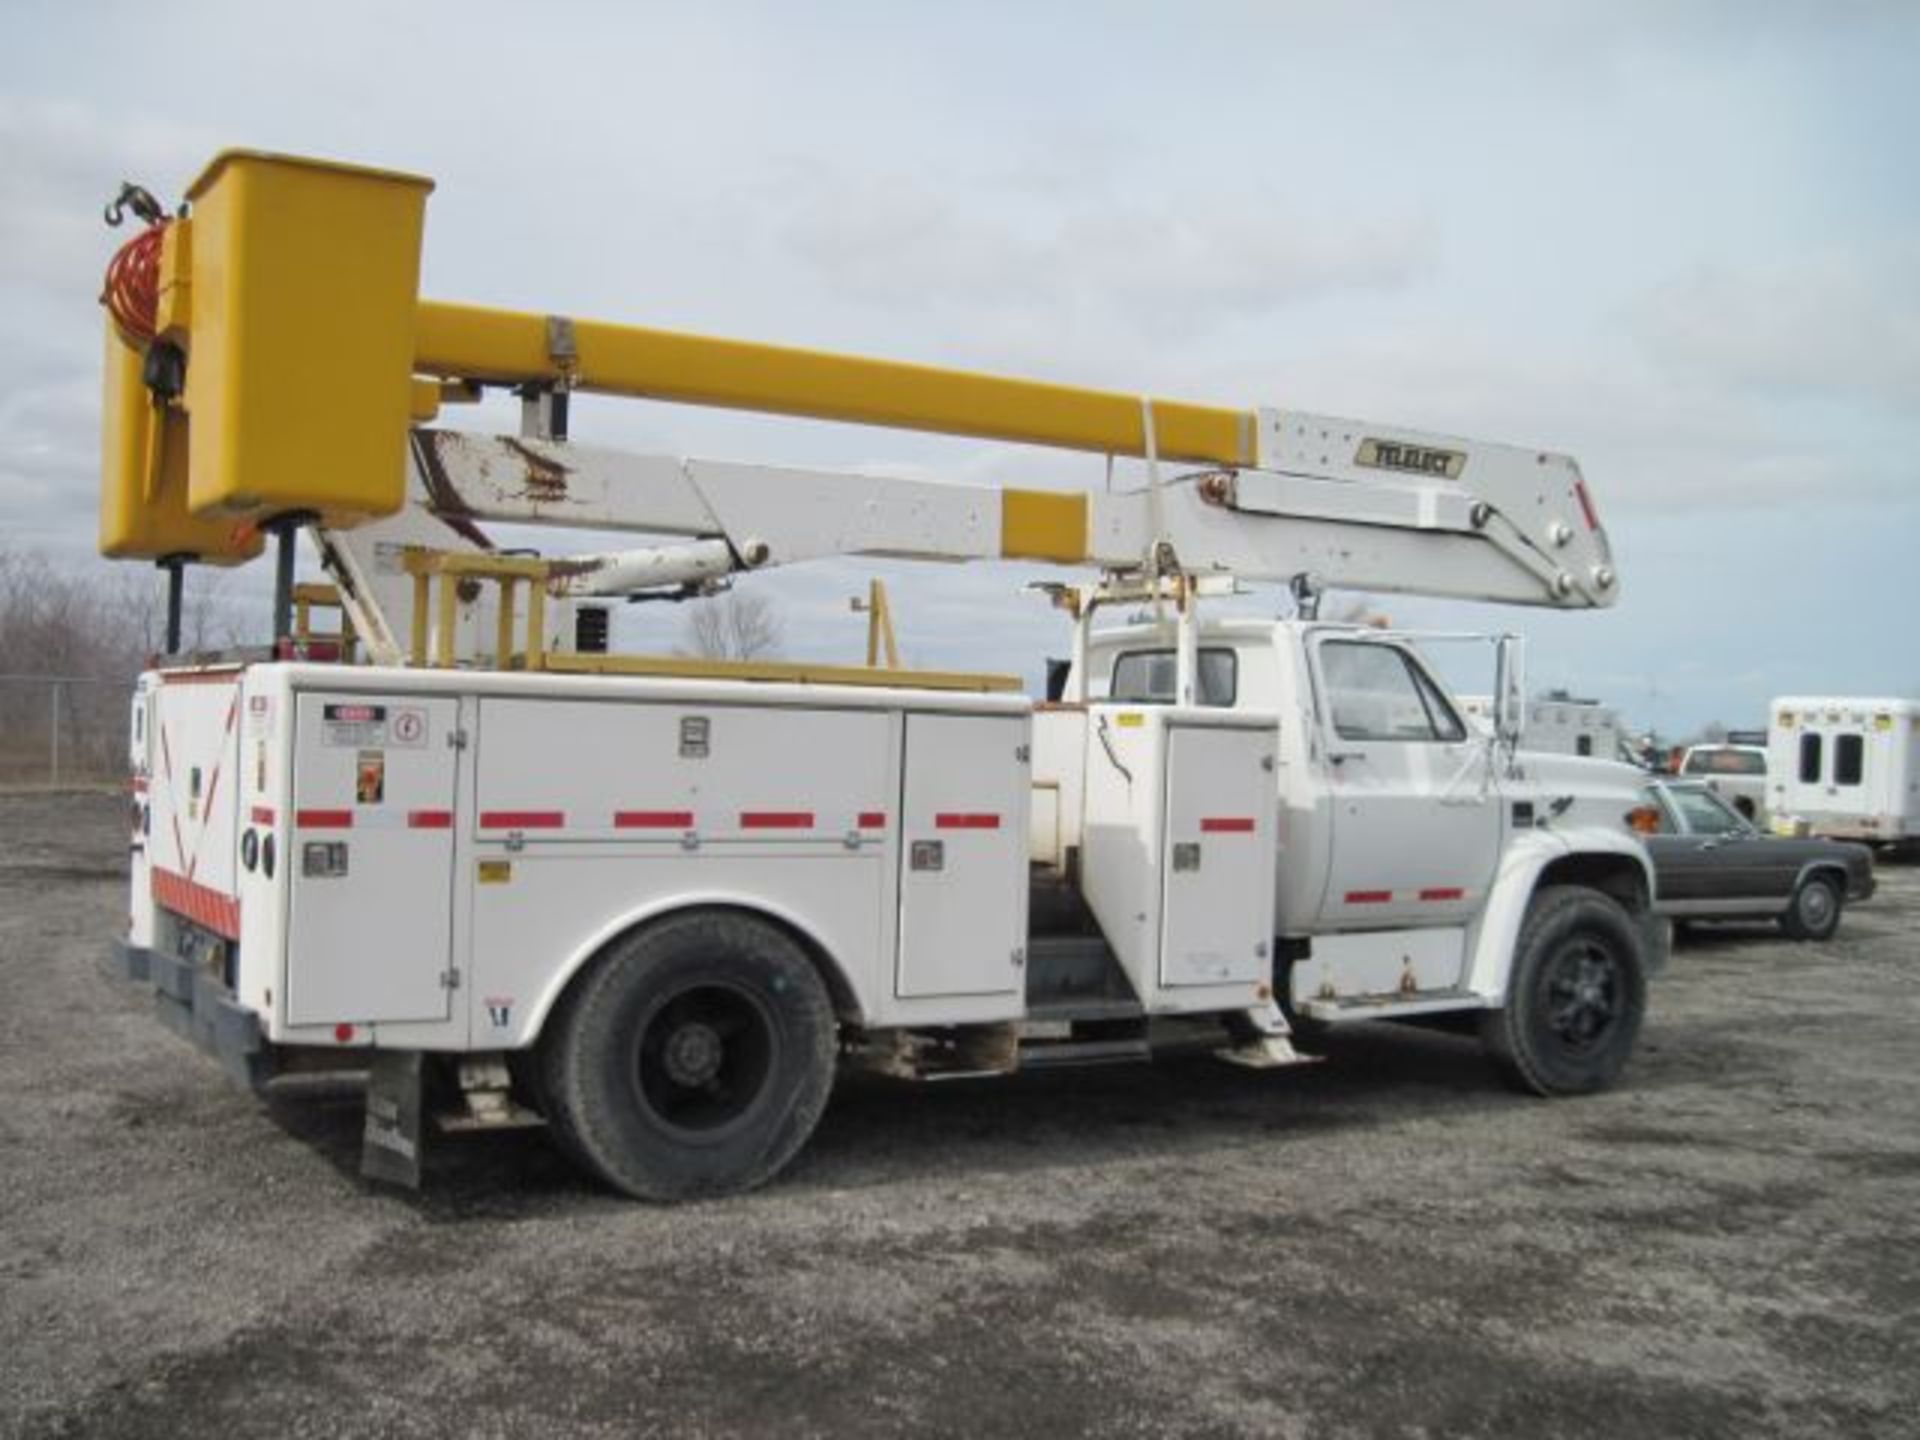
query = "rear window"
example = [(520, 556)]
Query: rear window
[(1149, 676), (1809, 758), (1849, 759), (1726, 762)]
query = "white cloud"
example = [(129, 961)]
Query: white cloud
[(1839, 323)]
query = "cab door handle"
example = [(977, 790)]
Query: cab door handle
[(1340, 757)]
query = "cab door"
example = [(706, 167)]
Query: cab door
[(1415, 813)]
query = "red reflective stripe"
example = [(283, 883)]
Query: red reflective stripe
[(233, 712), (217, 912), (966, 822), (430, 819), (1444, 892), (1586, 504), (873, 819), (652, 819), (1227, 825), (323, 819), (263, 815), (776, 820), (522, 819), (139, 785), (166, 752), (1369, 897)]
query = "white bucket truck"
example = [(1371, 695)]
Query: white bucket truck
[(657, 903)]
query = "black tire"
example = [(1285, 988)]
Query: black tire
[(1814, 911), (543, 1080), (695, 1058), (1576, 997)]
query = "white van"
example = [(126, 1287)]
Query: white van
[(1846, 766)]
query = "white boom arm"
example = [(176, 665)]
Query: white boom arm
[(1351, 504)]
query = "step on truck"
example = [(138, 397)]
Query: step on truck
[(657, 903)]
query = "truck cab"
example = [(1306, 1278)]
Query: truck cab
[(1396, 817)]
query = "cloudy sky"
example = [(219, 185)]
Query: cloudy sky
[(1680, 241)]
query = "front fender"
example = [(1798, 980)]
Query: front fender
[(1607, 859)]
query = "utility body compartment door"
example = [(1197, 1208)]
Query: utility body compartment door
[(370, 869), (1218, 855), (963, 856)]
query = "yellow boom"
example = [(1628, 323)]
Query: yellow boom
[(467, 342)]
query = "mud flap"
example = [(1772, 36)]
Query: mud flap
[(390, 1147)]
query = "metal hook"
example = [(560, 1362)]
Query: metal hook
[(137, 199)]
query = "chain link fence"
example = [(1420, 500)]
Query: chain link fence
[(63, 730)]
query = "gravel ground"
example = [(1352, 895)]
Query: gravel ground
[(1385, 1244)]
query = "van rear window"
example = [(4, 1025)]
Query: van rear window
[(1809, 757), (1849, 759)]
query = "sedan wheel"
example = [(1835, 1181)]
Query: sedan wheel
[(1814, 911)]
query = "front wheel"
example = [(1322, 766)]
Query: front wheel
[(1814, 911), (1576, 997), (695, 1059)]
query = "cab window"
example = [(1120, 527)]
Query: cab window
[(1375, 692), (1148, 677), (1726, 762)]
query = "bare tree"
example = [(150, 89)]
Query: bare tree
[(733, 627)]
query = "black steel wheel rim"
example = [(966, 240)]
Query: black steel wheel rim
[(703, 1059), (1584, 996)]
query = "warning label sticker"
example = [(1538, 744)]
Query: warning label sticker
[(354, 725), (357, 725)]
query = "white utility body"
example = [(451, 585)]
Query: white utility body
[(1846, 766), (658, 902)]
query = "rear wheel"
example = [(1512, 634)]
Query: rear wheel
[(1814, 911), (1576, 997), (695, 1059)]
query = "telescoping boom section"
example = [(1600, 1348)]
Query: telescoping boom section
[(657, 904)]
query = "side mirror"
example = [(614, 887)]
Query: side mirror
[(1509, 690)]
